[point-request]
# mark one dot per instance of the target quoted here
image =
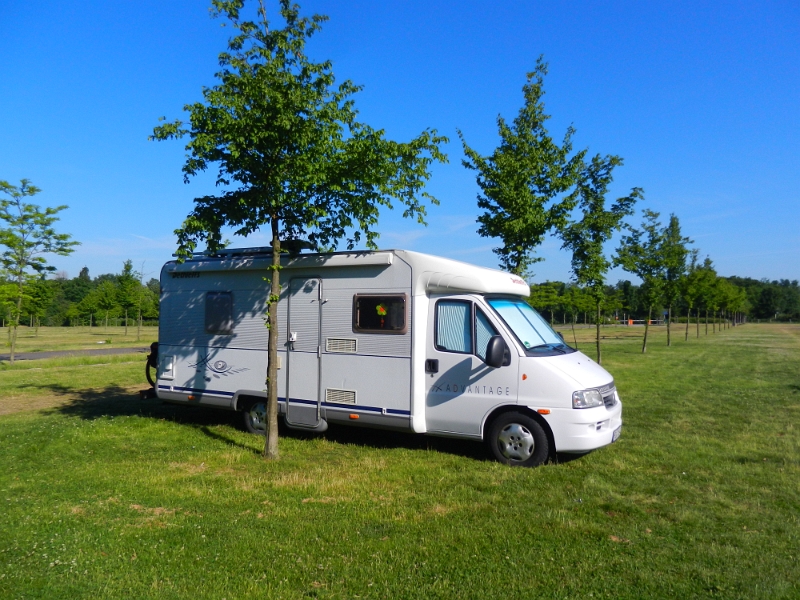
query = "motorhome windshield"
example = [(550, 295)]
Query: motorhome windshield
[(529, 327)]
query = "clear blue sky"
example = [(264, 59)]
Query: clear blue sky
[(702, 100)]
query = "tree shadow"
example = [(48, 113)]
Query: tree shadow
[(115, 401)]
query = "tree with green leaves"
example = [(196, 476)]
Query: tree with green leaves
[(127, 290), (27, 234), (707, 288), (524, 181), (38, 296), (586, 237), (290, 155), (690, 290), (639, 253), (104, 297), (544, 297), (674, 252)]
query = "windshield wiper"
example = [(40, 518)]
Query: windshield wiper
[(559, 346)]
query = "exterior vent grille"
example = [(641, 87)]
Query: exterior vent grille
[(610, 399), (344, 345), (340, 396)]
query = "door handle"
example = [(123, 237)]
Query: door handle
[(432, 365)]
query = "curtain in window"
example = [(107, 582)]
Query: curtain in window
[(483, 333), (453, 326)]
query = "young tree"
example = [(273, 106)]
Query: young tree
[(127, 290), (39, 295), (640, 254), (104, 297), (28, 234), (707, 288), (586, 237), (674, 252), (544, 297), (290, 155), (521, 183), (690, 289)]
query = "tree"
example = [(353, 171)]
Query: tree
[(640, 254), (587, 236), (27, 236), (291, 156), (104, 297), (128, 290), (544, 297), (39, 295), (707, 288), (521, 182), (674, 252), (690, 289)]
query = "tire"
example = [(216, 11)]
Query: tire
[(255, 418), (518, 440)]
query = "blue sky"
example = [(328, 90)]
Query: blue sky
[(700, 99)]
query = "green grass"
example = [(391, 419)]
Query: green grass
[(107, 496), (76, 338)]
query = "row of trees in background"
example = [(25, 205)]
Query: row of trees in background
[(120, 298), (568, 303)]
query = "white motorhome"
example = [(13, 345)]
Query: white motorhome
[(388, 339)]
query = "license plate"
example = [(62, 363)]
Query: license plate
[(615, 435)]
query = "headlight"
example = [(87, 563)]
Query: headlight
[(586, 399)]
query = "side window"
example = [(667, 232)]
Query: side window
[(385, 313), (454, 326), (219, 313), (484, 330)]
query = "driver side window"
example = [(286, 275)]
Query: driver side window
[(460, 329)]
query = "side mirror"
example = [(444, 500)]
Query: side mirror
[(496, 351)]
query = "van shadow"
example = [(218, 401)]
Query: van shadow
[(115, 401)]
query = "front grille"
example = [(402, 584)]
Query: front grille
[(610, 399)]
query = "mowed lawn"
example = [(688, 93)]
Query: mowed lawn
[(108, 496), (32, 339)]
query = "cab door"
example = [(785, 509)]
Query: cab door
[(460, 387)]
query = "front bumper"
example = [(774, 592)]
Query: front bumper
[(582, 430)]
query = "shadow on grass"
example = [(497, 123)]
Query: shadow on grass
[(115, 401)]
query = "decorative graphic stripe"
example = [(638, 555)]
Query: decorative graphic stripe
[(350, 407)]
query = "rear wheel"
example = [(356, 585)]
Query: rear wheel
[(255, 417), (518, 440)]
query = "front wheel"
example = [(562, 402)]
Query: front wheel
[(518, 440), (255, 418)]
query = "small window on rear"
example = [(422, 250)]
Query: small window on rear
[(384, 313), (219, 313)]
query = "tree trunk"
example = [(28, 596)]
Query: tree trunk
[(697, 315), (706, 321), (16, 320), (669, 324), (574, 337), (139, 325), (271, 442), (688, 318), (126, 322), (646, 328), (597, 327), (106, 320)]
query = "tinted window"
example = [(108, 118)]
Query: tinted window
[(379, 313), (219, 313)]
